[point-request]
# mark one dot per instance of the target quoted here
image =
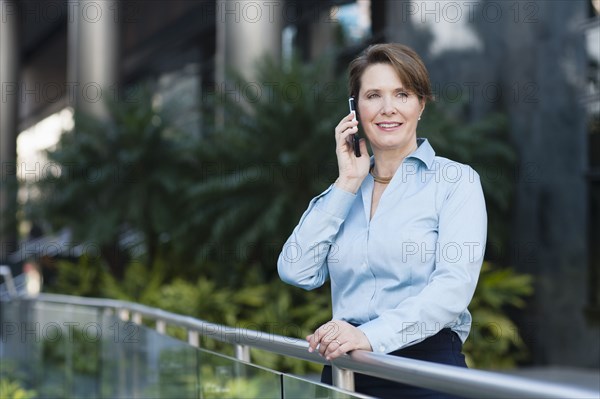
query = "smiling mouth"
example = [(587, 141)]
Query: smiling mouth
[(389, 125)]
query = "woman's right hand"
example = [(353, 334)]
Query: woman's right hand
[(352, 169)]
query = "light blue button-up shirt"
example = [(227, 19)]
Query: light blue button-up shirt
[(409, 271)]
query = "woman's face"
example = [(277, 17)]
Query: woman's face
[(388, 112)]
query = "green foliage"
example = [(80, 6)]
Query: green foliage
[(13, 382), (10, 389), (270, 307), (140, 282), (262, 165), (84, 278), (120, 174), (495, 342)]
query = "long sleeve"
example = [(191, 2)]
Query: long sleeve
[(303, 259), (442, 302), (407, 270)]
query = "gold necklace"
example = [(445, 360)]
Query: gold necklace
[(382, 180), (386, 180)]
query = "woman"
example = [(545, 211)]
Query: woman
[(401, 235)]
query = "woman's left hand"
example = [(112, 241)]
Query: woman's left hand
[(337, 337)]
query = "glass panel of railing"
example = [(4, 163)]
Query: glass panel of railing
[(138, 362), (18, 349), (51, 350), (225, 377), (141, 363), (70, 336), (299, 388)]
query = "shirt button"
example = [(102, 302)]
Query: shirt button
[(364, 265), (381, 348)]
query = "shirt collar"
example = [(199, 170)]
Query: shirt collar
[(424, 152)]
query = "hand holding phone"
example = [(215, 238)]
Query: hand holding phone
[(355, 138)]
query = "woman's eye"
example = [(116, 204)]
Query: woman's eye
[(373, 95), (403, 94)]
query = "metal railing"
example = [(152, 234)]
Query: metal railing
[(449, 379)]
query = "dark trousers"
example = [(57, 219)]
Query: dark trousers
[(444, 347)]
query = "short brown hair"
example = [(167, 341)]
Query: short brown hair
[(407, 63)]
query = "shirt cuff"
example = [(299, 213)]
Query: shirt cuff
[(337, 202), (374, 330)]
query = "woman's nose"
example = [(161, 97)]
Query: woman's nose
[(388, 106)]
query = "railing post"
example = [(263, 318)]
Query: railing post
[(161, 326), (124, 314), (242, 352), (194, 338), (342, 378), (136, 317)]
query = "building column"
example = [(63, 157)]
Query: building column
[(9, 81), (322, 33), (246, 31), (93, 54), (400, 28)]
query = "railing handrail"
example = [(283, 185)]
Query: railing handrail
[(450, 379)]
